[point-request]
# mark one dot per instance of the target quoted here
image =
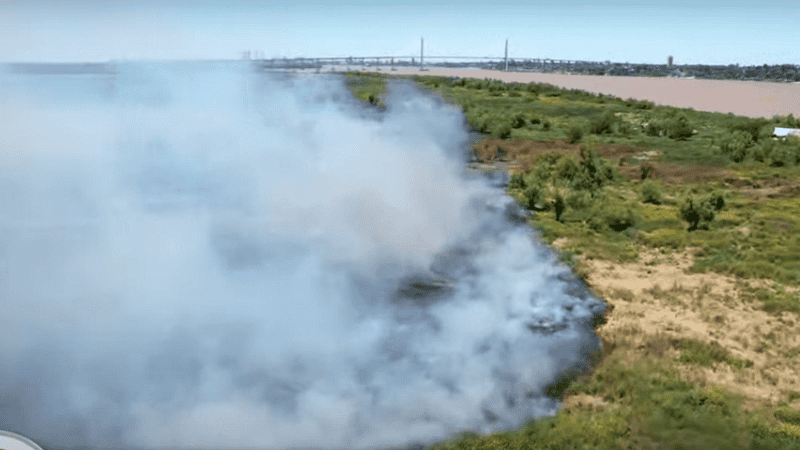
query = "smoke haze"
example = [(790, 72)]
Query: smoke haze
[(200, 255)]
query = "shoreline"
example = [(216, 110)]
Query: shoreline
[(745, 98)]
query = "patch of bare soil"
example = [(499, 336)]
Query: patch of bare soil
[(772, 188), (656, 302), (676, 174)]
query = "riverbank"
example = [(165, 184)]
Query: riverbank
[(744, 98)]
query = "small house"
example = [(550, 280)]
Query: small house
[(783, 132)]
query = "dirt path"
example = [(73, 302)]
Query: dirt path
[(746, 98)]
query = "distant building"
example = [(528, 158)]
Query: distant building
[(669, 61), (783, 132)]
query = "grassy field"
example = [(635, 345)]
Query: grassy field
[(686, 223)]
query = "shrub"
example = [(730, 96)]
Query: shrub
[(646, 170), (651, 192), (655, 128), (625, 128), (786, 154), (501, 129), (536, 194), (533, 88), (546, 125), (788, 415), (566, 167), (736, 145), (578, 200), (593, 172), (535, 121), (612, 215), (575, 134), (753, 127), (516, 181), (762, 151), (496, 86), (559, 205), (620, 218), (680, 128), (699, 212), (603, 124), (518, 120)]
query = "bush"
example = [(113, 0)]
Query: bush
[(620, 218), (753, 127), (575, 134), (593, 172), (536, 195), (680, 128), (535, 121), (578, 200), (518, 120), (655, 128), (699, 212), (603, 124), (546, 125), (651, 192), (497, 86), (787, 154), (646, 170), (736, 145), (559, 205), (625, 128), (516, 181), (501, 129), (762, 151), (566, 167), (612, 215)]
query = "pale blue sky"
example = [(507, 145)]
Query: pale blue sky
[(710, 32)]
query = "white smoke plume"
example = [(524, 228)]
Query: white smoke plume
[(206, 256)]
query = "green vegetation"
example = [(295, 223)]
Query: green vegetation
[(619, 176), (702, 354), (367, 87), (651, 191)]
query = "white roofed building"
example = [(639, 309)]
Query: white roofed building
[(783, 132)]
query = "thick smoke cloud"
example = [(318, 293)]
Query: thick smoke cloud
[(205, 256)]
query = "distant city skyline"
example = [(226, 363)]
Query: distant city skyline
[(699, 32)]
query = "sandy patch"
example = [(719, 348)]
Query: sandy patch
[(746, 98), (657, 299)]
